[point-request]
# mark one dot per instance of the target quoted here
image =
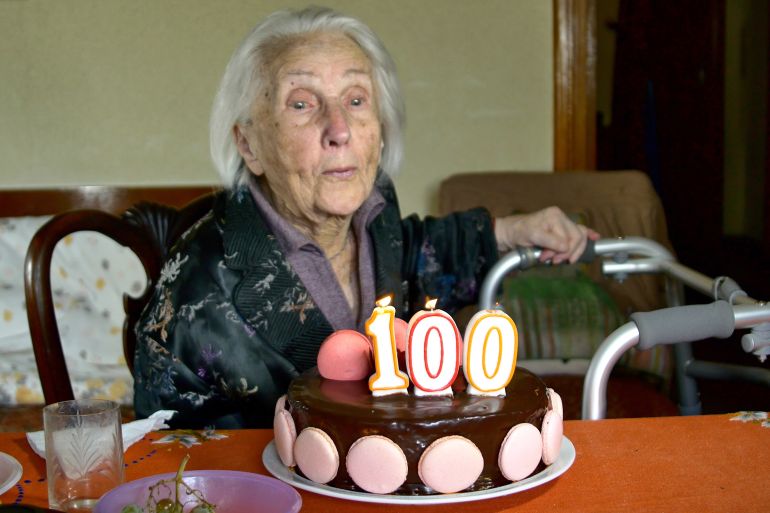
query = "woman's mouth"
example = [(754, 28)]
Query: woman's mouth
[(340, 172)]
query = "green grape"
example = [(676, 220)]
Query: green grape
[(203, 508), (167, 506), (131, 508)]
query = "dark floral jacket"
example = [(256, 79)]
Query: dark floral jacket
[(230, 324)]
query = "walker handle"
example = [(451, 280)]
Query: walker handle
[(518, 259), (684, 324), (589, 253)]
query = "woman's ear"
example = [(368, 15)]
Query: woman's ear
[(245, 150)]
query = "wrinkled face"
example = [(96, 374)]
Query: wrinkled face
[(316, 131)]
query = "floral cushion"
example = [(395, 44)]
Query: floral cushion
[(89, 275)]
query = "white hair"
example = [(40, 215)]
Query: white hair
[(243, 79)]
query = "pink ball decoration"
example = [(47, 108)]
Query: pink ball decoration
[(400, 332), (345, 355)]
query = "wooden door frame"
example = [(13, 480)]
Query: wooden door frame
[(574, 85), (575, 51), (766, 231)]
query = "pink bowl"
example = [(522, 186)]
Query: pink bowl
[(231, 491)]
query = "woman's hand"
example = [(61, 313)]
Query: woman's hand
[(550, 229)]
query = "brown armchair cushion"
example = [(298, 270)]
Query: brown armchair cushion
[(615, 203)]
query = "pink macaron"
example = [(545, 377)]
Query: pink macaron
[(450, 464), (520, 452), (554, 402), (376, 464), (280, 404), (285, 434), (552, 431), (316, 455), (345, 355)]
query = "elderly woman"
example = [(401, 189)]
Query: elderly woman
[(306, 129)]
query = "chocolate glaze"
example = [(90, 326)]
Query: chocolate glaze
[(347, 411)]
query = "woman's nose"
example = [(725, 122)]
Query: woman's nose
[(336, 129)]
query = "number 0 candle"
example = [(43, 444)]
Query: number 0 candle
[(387, 378), (433, 349), (491, 347)]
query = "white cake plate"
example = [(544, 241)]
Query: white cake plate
[(274, 465)]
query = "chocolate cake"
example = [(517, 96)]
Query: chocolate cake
[(343, 412)]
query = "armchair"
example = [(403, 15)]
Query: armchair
[(565, 312)]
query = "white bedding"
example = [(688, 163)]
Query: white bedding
[(89, 275)]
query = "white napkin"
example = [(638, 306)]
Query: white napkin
[(132, 431)]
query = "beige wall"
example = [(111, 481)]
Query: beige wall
[(117, 92)]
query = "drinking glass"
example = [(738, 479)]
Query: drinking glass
[(83, 452)]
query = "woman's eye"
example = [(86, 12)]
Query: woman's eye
[(299, 105), (357, 102)]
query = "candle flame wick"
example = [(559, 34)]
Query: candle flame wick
[(384, 301), (430, 304)]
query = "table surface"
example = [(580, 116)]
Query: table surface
[(702, 463)]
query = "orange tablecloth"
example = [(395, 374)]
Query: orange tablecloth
[(706, 463)]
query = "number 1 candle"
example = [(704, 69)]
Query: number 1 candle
[(387, 378), (489, 357), (433, 348)]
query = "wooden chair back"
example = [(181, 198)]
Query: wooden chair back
[(148, 228)]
